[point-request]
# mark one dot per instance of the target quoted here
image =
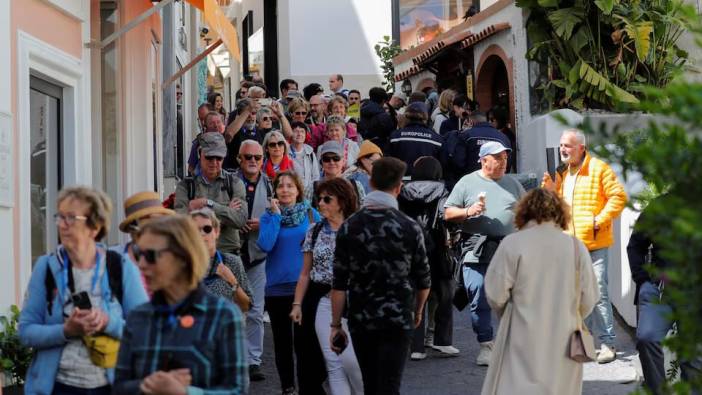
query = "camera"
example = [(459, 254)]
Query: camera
[(203, 32)]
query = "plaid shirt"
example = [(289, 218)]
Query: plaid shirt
[(205, 333)]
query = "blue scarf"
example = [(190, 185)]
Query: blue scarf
[(294, 215)]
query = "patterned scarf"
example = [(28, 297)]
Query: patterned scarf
[(295, 214), (285, 164)]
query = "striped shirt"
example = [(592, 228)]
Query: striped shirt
[(204, 333)]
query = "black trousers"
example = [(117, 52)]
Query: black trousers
[(381, 356), (289, 338), (442, 290)]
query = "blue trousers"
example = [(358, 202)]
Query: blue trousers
[(601, 320), (480, 312)]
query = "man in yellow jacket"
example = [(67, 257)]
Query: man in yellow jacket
[(596, 198)]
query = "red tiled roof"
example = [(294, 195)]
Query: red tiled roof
[(485, 33)]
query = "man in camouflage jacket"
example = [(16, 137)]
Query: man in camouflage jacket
[(381, 261)]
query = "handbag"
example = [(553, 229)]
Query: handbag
[(581, 347), (103, 350)]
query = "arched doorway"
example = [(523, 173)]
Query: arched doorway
[(494, 92)]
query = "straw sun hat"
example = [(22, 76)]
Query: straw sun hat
[(141, 205)]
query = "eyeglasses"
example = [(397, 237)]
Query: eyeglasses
[(326, 199), (150, 255), (68, 219), (273, 144), (217, 158), (207, 229), (249, 157), (300, 113), (264, 119), (327, 159)]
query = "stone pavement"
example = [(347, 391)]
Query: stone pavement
[(438, 375)]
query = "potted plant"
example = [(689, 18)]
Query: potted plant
[(14, 357)]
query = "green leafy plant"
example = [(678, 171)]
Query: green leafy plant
[(668, 155), (601, 54), (14, 357), (386, 51)]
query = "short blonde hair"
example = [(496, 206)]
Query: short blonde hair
[(100, 207), (184, 241), (298, 103), (542, 205), (206, 213), (446, 100)]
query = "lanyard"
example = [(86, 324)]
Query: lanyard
[(67, 267)]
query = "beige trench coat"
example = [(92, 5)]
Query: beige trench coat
[(530, 283)]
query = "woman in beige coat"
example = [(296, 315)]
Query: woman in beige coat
[(530, 283)]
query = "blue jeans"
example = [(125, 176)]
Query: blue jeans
[(480, 312), (254, 317), (601, 320)]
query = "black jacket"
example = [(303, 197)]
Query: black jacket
[(424, 201), (637, 251), (413, 141), (376, 124)]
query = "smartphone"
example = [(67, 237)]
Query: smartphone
[(81, 300), (339, 341), (266, 102)]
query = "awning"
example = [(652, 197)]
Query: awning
[(221, 25), (473, 39)]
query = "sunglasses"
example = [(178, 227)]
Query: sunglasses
[(273, 144), (217, 158), (149, 255), (207, 229), (326, 199), (265, 119), (249, 157), (330, 158), (300, 112)]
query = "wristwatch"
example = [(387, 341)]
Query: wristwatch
[(209, 203)]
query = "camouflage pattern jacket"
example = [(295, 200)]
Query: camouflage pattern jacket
[(380, 259)]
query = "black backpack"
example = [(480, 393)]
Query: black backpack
[(114, 278), (229, 180), (454, 156)]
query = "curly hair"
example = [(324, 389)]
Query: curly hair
[(542, 205), (344, 193)]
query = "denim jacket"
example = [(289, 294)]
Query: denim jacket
[(44, 331)]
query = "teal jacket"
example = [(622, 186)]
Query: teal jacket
[(44, 332)]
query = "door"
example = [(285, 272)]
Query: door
[(45, 102)]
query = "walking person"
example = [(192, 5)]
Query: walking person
[(277, 154), (361, 171), (423, 200), (152, 357), (225, 274), (381, 261), (538, 263), (304, 159), (282, 232), (77, 294), (331, 154), (312, 306), (596, 198), (482, 202), (258, 194)]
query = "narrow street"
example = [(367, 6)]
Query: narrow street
[(460, 375)]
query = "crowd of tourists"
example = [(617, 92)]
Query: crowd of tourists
[(355, 225)]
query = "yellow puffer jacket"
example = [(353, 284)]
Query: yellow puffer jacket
[(598, 198)]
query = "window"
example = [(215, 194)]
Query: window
[(423, 20), (45, 166)]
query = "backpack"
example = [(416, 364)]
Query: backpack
[(454, 155), (229, 180), (114, 279)]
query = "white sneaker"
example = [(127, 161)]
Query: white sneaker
[(606, 354), (450, 351), (485, 353), (418, 356), (266, 317)]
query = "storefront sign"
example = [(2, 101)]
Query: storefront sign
[(469, 85)]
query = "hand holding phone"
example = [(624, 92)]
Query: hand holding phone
[(339, 341), (81, 300)]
